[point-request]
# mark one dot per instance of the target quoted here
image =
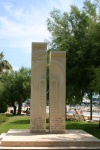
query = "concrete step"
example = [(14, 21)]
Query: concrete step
[(2, 135), (50, 144), (49, 148), (72, 139)]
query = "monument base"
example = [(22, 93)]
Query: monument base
[(72, 138)]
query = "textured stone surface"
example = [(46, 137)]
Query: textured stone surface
[(71, 138), (57, 91), (38, 88)]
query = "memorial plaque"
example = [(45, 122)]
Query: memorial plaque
[(38, 88), (53, 98), (42, 98), (57, 91)]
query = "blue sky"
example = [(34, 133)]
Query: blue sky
[(23, 22)]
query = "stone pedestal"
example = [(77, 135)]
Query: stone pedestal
[(38, 88), (22, 139), (57, 91)]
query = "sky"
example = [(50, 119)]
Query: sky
[(23, 22)]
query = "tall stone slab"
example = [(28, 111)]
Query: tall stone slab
[(57, 87), (38, 88)]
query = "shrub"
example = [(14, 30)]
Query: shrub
[(3, 107)]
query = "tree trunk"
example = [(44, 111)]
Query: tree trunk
[(19, 107), (14, 113), (90, 105)]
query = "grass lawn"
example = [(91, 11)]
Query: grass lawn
[(15, 122), (23, 122)]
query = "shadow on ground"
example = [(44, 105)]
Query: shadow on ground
[(21, 122)]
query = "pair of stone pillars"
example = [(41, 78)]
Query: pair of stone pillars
[(57, 90)]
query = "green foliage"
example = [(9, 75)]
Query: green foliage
[(16, 87), (47, 76), (77, 32), (4, 64), (96, 81), (3, 107)]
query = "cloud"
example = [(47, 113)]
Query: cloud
[(21, 27), (23, 22), (10, 28), (17, 13)]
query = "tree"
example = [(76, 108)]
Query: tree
[(78, 33), (4, 64), (16, 87), (96, 81), (8, 94), (3, 104), (23, 86)]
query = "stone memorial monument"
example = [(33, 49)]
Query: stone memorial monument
[(57, 91), (38, 88)]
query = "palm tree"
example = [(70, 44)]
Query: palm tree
[(4, 64)]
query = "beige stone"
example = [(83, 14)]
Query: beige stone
[(38, 88), (57, 91), (39, 46), (72, 139)]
